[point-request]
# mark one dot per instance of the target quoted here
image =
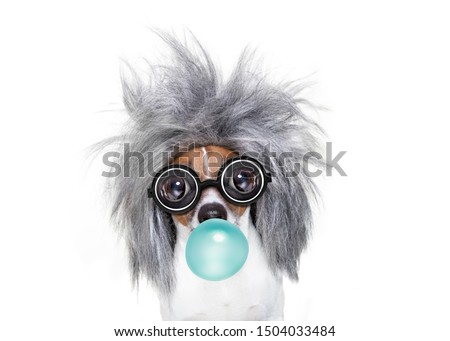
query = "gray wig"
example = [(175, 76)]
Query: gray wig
[(186, 103)]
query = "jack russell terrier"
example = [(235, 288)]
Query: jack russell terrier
[(192, 126)]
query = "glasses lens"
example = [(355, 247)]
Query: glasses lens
[(176, 189), (242, 181)]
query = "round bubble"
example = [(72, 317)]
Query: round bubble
[(216, 250)]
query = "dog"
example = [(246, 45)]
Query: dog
[(190, 121)]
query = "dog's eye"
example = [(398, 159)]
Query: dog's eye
[(175, 188), (244, 180)]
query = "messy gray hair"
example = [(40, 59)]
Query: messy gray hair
[(186, 103)]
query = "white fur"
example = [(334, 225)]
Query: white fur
[(254, 293)]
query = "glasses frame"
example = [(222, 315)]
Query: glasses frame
[(201, 185)]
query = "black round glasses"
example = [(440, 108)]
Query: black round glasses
[(177, 188)]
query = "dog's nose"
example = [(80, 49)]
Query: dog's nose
[(213, 210)]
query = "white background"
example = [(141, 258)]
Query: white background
[(378, 265)]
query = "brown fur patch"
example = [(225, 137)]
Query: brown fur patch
[(206, 162)]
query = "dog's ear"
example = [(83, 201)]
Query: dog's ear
[(151, 239), (284, 217), (149, 232), (253, 213)]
